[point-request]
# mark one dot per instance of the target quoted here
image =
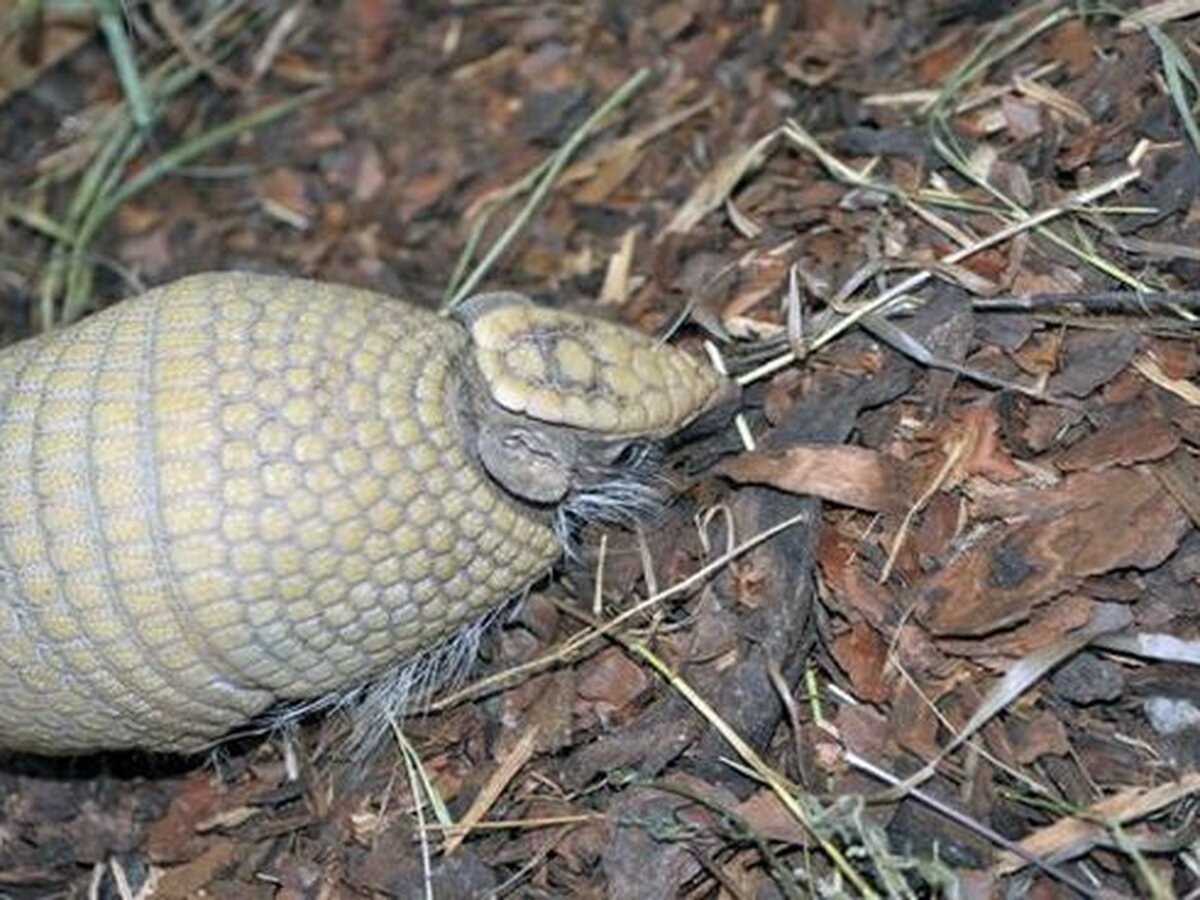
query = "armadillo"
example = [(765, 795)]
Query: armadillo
[(238, 491)]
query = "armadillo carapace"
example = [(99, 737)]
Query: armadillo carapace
[(238, 490)]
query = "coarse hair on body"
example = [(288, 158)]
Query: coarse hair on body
[(631, 489), (372, 708)]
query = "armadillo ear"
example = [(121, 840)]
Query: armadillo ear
[(527, 462), (475, 307)]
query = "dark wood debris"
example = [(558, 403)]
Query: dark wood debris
[(991, 582)]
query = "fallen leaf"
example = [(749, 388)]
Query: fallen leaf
[(1040, 354), (282, 194), (913, 722), (864, 731), (60, 33), (716, 187), (765, 813), (173, 837), (851, 476), (191, 878), (1132, 439), (857, 592), (1092, 358), (862, 655), (1180, 387), (1176, 358), (984, 453), (371, 175), (1091, 523), (1073, 836), (1043, 735), (612, 680)]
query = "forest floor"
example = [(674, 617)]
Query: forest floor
[(927, 625)]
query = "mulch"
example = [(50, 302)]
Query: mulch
[(925, 236)]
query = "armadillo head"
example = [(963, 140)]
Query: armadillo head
[(571, 412)]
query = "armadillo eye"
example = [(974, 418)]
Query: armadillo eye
[(529, 464)]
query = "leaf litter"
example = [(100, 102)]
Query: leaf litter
[(936, 634)]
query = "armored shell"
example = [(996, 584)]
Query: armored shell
[(237, 490)]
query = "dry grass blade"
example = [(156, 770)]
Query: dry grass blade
[(538, 182), (718, 185), (879, 304), (957, 450), (900, 340), (1159, 14), (989, 51), (421, 786), (631, 145), (969, 822), (1053, 99), (1014, 212), (778, 784), (1119, 301), (1178, 69), (1021, 676), (1076, 835), (172, 24), (780, 872), (616, 287), (1149, 645), (588, 637), (1148, 367), (512, 763)]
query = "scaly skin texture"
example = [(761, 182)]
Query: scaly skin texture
[(237, 490)]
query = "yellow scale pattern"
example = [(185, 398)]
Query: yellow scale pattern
[(228, 492), (588, 373)]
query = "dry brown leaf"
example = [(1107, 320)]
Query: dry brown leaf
[(1048, 623), (612, 680), (864, 731), (1040, 355), (59, 33), (983, 453), (1071, 837), (1072, 45), (764, 812), (1091, 359), (862, 655), (611, 172), (173, 837), (190, 879), (913, 723), (851, 476), (1180, 475), (1150, 368), (1140, 438), (711, 193), (1176, 358), (1042, 735), (940, 522), (856, 592), (282, 193), (1092, 523)]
